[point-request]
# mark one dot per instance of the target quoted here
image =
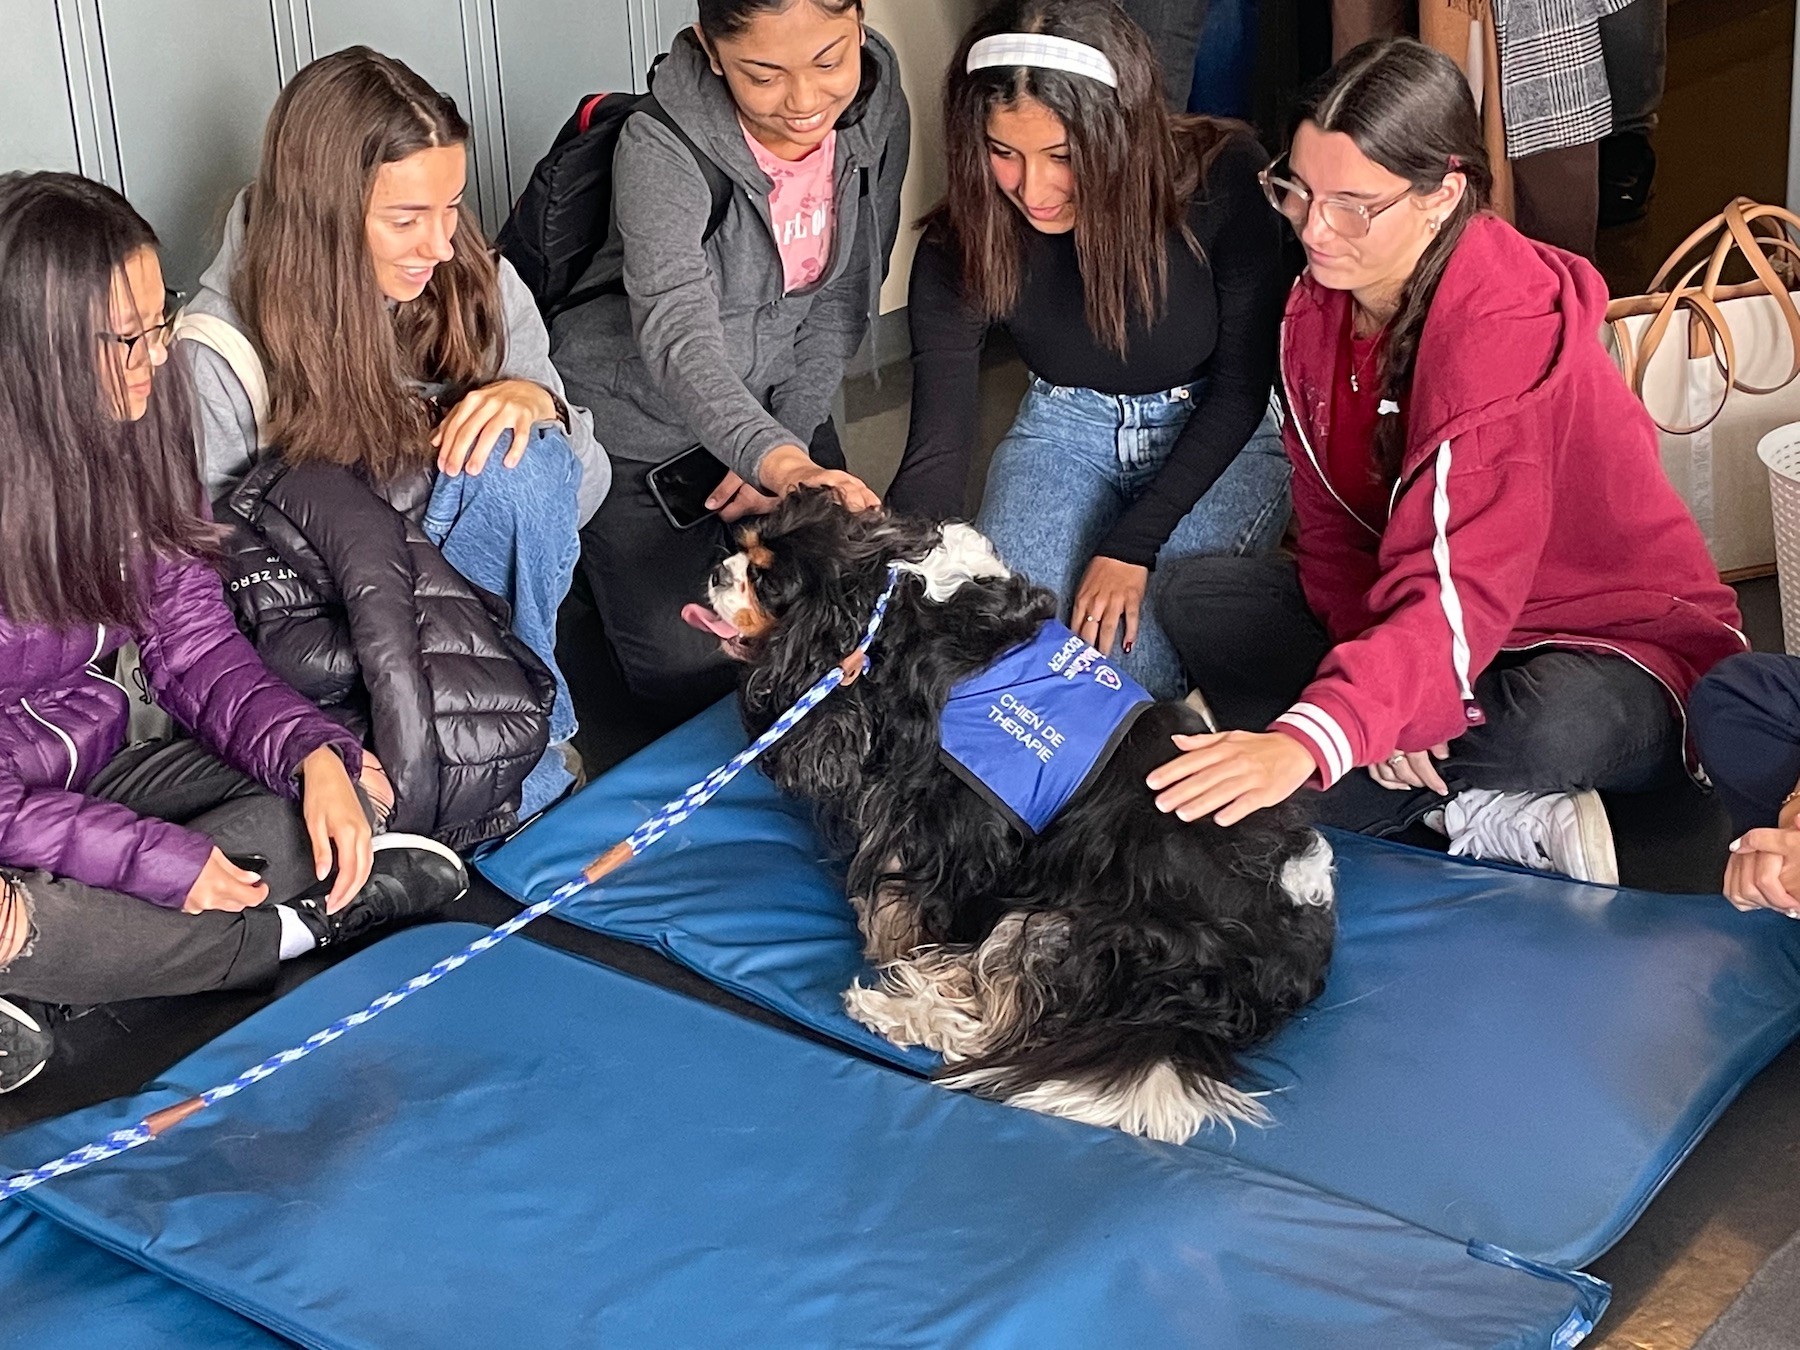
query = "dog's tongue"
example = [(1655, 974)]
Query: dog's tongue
[(699, 616)]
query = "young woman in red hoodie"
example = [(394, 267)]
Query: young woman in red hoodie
[(1498, 603)]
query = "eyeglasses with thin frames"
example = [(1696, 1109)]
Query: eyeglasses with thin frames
[(1345, 218), (138, 345)]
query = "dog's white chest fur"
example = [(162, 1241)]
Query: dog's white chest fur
[(964, 555)]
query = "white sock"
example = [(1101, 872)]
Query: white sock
[(296, 938)]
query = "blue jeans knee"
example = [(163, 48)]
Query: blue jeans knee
[(514, 532)]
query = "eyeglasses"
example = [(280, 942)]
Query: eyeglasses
[(138, 345), (1343, 217)]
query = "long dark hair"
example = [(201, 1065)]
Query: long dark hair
[(338, 362), (1408, 108), (88, 501), (1136, 168)]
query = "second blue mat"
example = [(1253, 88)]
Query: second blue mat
[(1499, 1057)]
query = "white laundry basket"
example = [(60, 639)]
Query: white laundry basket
[(1780, 451)]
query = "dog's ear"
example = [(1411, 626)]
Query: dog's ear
[(823, 759)]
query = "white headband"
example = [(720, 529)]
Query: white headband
[(1044, 52)]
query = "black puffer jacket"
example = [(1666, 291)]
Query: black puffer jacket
[(419, 660)]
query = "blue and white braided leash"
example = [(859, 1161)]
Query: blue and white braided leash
[(653, 829)]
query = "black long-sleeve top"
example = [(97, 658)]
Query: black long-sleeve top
[(1221, 322)]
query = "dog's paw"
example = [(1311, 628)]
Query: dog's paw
[(929, 999), (1310, 878), (1158, 1104)]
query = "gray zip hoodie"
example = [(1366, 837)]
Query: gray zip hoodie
[(228, 423), (707, 349)]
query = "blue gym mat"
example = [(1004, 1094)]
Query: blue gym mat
[(61, 1292), (1499, 1056), (543, 1152)]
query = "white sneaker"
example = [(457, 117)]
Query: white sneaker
[(1564, 832)]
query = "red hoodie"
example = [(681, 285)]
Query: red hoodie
[(1531, 510)]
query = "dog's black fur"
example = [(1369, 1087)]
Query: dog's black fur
[(1167, 942)]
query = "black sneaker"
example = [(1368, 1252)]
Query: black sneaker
[(25, 1046), (1627, 173), (413, 877)]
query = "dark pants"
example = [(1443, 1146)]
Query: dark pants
[(1746, 716), (1557, 720), (642, 571), (1557, 197), (89, 945), (1635, 42), (1173, 27)]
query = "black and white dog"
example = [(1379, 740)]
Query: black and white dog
[(1111, 968)]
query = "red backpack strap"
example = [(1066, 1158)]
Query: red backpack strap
[(586, 116)]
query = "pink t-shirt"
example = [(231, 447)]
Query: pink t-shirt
[(800, 207)]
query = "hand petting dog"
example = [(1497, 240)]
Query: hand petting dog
[(1231, 774)]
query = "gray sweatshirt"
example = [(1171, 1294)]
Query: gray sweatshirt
[(708, 349), (228, 423)]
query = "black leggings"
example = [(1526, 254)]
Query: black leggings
[(89, 945), (642, 571), (1557, 720)]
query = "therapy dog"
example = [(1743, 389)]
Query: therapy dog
[(1110, 963)]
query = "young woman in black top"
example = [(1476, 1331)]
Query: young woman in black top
[(1131, 257)]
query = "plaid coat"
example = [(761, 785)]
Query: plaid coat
[(1552, 76)]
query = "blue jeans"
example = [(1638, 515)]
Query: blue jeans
[(1745, 717), (1073, 462), (513, 532)]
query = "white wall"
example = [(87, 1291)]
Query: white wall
[(925, 34)]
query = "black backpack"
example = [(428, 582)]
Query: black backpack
[(563, 217)]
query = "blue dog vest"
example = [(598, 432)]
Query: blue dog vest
[(1031, 730)]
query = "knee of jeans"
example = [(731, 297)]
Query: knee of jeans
[(17, 922)]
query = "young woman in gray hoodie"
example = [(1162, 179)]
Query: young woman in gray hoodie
[(733, 338), (355, 316)]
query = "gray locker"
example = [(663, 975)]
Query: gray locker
[(659, 22), (37, 117), (191, 84), (167, 100), (442, 40)]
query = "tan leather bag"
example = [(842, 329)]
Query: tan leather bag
[(1717, 366)]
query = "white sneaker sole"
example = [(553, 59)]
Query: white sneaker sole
[(10, 1009), (1596, 835), (18, 1014), (384, 842), (26, 1079)]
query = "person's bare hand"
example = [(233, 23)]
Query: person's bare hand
[(1764, 872), (222, 885), (734, 499), (466, 438), (337, 825), (787, 467), (1408, 769), (1227, 776), (1109, 601), (15, 920)]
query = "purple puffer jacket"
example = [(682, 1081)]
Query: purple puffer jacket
[(61, 720)]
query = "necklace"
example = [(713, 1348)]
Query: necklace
[(1361, 368)]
